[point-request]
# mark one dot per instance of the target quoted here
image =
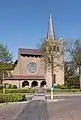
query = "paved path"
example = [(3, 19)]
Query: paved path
[(40, 95)]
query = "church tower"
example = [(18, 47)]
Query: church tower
[(50, 33), (58, 45)]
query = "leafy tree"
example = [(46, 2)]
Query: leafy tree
[(75, 52), (52, 55), (69, 70), (73, 81), (5, 60)]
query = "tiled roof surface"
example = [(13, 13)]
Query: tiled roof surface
[(30, 51), (25, 77)]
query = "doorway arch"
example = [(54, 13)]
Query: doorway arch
[(25, 83), (34, 84), (43, 83)]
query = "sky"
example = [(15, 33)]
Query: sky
[(24, 23)]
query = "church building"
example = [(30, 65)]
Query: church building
[(29, 70)]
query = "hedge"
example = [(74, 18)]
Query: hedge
[(1, 91), (20, 91), (8, 91), (64, 90), (12, 98), (61, 89)]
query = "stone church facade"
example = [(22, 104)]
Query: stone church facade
[(29, 70)]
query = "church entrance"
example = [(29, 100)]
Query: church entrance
[(34, 84), (25, 83)]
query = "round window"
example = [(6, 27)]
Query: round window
[(32, 67)]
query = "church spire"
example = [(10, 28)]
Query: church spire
[(50, 33)]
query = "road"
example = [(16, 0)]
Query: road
[(11, 111), (65, 108), (34, 110)]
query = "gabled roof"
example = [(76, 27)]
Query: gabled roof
[(30, 51)]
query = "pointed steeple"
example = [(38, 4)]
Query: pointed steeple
[(50, 33)]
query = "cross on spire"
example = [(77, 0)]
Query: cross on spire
[(50, 33)]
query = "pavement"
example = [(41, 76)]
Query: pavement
[(61, 108)]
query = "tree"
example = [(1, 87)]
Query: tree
[(75, 52), (69, 70), (5, 60), (73, 81), (52, 55)]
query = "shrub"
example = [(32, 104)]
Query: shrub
[(12, 98), (63, 89), (14, 87), (67, 90), (8, 91), (1, 87), (1, 91), (57, 86), (10, 86), (60, 87), (73, 82)]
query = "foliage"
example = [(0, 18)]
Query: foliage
[(5, 60), (52, 52), (62, 89), (12, 98), (1, 87), (14, 87), (1, 91), (19, 91), (10, 86), (8, 91), (75, 52), (5, 55), (58, 88), (73, 82), (69, 70)]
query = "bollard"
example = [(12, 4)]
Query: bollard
[(51, 94)]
